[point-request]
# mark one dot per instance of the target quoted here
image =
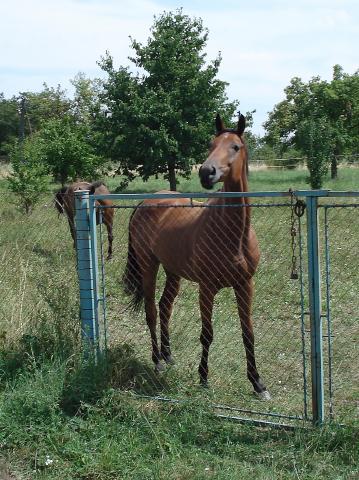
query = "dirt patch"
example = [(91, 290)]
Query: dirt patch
[(5, 473), (5, 171)]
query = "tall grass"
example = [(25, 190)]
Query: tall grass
[(61, 418)]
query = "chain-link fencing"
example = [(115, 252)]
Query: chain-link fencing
[(280, 313)]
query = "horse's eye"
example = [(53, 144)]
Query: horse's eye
[(236, 147)]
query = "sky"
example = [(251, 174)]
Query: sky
[(263, 43)]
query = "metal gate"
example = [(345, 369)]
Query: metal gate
[(305, 348)]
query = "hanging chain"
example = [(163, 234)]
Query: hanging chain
[(297, 210)]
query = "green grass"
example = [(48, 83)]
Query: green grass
[(115, 435), (61, 419)]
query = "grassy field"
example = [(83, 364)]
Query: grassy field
[(61, 419)]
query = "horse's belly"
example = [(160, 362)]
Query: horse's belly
[(222, 272), (174, 253)]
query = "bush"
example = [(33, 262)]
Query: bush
[(29, 176), (68, 150)]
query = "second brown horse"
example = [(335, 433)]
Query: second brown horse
[(214, 246), (65, 204)]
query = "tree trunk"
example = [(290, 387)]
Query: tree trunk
[(334, 167), (172, 175), (334, 162)]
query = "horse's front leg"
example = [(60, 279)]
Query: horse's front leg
[(169, 294), (206, 298), (244, 296)]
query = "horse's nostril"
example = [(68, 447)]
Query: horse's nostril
[(213, 171)]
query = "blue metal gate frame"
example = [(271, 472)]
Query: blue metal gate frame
[(90, 296)]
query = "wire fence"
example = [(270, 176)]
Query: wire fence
[(39, 300), (40, 305), (276, 318), (348, 160), (281, 318)]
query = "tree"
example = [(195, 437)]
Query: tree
[(161, 121), (317, 143), (29, 177), (85, 99), (40, 107), (68, 151), (334, 104), (9, 122)]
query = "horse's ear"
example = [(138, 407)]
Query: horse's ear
[(219, 123), (241, 124)]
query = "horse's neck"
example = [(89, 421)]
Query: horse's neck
[(238, 217)]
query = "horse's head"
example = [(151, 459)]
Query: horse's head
[(227, 156)]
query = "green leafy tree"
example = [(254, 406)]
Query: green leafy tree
[(85, 101), (29, 177), (40, 107), (317, 143), (334, 103), (161, 121), (68, 151), (9, 122)]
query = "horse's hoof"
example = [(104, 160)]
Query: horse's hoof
[(265, 395), (160, 367), (169, 360)]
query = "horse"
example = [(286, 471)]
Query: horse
[(65, 204), (213, 246)]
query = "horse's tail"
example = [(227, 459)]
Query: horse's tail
[(132, 277)]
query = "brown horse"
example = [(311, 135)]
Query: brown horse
[(213, 246), (65, 203)]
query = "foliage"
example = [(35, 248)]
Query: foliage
[(29, 177), (316, 139), (39, 107), (161, 121), (265, 153), (291, 158), (333, 104), (85, 99), (51, 103), (9, 121), (68, 150)]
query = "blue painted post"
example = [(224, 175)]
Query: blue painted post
[(88, 307), (93, 235), (315, 311)]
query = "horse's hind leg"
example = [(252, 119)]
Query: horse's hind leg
[(169, 294), (244, 296), (149, 287), (110, 240)]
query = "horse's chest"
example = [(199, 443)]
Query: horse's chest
[(223, 270)]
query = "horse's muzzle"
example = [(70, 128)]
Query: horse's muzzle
[(207, 175)]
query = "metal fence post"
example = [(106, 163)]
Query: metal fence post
[(86, 273), (315, 311)]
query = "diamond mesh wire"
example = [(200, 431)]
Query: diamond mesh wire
[(340, 275), (38, 277), (276, 317)]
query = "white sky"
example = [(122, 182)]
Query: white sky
[(263, 43)]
